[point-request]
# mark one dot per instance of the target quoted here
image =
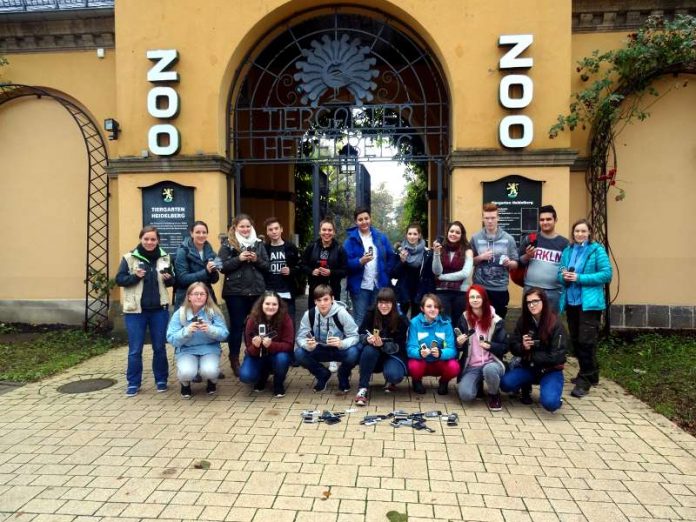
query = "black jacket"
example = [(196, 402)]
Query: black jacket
[(543, 356), (337, 262), (190, 268), (498, 339), (398, 336), (243, 278)]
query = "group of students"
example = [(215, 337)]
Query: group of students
[(456, 293)]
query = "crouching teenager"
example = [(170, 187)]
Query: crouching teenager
[(483, 342), (539, 341), (327, 333), (269, 337), (430, 346), (195, 330), (383, 345)]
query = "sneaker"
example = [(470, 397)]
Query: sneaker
[(279, 393), (333, 366), (321, 383), (344, 387), (418, 387), (389, 388), (197, 378), (580, 390), (361, 397), (259, 387), (132, 391), (494, 403), (186, 391), (443, 388), (161, 387), (211, 388)]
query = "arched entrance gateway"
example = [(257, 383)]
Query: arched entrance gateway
[(321, 97)]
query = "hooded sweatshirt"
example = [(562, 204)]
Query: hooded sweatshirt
[(325, 327), (423, 332), (492, 275)]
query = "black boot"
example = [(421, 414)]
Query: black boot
[(582, 387)]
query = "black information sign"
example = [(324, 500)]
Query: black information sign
[(518, 201), (169, 207)]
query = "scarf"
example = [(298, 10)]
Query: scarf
[(151, 255), (452, 261), (246, 241), (415, 253)]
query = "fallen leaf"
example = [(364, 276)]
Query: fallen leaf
[(326, 494), (201, 464), (395, 516)]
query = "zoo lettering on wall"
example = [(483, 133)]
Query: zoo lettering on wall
[(169, 207), (518, 200)]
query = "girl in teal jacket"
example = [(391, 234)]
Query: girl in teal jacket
[(585, 270)]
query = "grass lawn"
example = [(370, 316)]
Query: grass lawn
[(659, 369), (30, 354)]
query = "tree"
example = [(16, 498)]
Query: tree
[(415, 202)]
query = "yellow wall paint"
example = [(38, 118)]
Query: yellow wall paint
[(652, 231), (43, 182)]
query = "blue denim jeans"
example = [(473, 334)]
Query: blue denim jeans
[(550, 385), (362, 301), (136, 326), (189, 365), (257, 369), (312, 361), (490, 372), (372, 360), (238, 307)]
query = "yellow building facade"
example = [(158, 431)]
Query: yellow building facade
[(226, 98)]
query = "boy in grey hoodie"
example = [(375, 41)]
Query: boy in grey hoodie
[(495, 254), (327, 333)]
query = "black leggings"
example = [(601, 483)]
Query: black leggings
[(583, 327)]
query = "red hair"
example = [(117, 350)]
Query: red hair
[(486, 316)]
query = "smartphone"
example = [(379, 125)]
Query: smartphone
[(432, 414), (370, 251), (440, 239), (457, 332), (375, 332), (310, 335), (262, 330)]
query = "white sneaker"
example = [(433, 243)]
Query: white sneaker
[(333, 366)]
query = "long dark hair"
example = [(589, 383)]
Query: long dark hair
[(486, 314), (463, 242), (547, 319), (390, 322), (274, 323)]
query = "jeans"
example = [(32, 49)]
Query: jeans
[(257, 369), (550, 385), (362, 301), (490, 372), (312, 361), (136, 325), (446, 370), (583, 327), (452, 303), (238, 307), (372, 359), (189, 365), (499, 300)]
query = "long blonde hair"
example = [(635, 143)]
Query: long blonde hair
[(231, 236), (210, 307)]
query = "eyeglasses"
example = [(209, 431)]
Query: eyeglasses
[(533, 302), (199, 294)]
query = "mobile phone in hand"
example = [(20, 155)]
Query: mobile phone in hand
[(457, 332)]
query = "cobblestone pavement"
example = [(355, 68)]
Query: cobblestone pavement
[(103, 456)]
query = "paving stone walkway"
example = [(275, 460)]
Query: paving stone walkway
[(102, 456)]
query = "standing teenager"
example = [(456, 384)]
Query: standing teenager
[(408, 269), (324, 262), (283, 264), (144, 274), (244, 263), (585, 270), (194, 263), (453, 262)]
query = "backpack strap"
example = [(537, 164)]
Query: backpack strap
[(312, 312)]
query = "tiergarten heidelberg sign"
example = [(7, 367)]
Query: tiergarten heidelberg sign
[(518, 200)]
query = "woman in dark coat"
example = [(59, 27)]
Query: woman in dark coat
[(324, 262), (194, 263), (244, 263)]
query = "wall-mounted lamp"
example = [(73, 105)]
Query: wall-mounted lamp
[(112, 127)]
